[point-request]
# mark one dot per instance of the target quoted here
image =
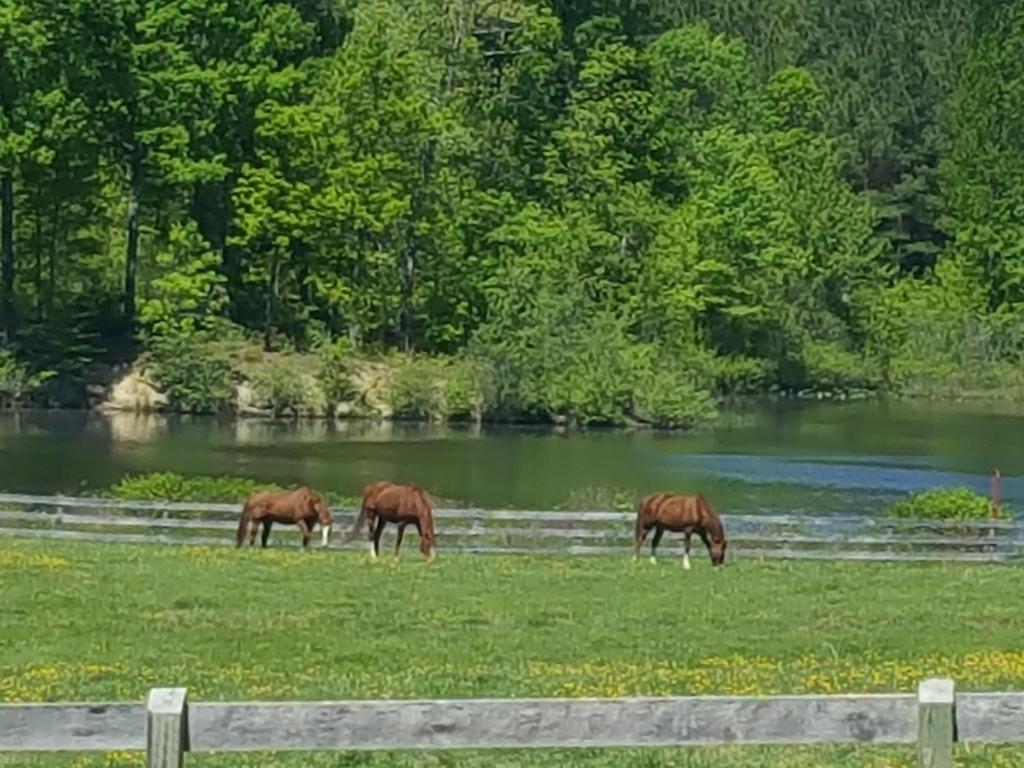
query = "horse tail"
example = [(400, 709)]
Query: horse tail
[(360, 520), (646, 515), (243, 526), (640, 509), (364, 511)]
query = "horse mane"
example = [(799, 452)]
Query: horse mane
[(712, 522), (428, 507), (424, 497)]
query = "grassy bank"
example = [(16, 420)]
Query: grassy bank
[(215, 620)]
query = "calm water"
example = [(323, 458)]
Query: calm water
[(784, 457)]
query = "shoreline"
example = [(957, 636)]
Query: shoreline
[(732, 406)]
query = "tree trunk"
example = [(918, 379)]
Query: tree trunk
[(210, 208), (411, 249), (37, 255), (408, 276), (354, 318), (56, 236), (269, 307), (131, 263), (7, 251)]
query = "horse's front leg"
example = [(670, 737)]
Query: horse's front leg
[(304, 530), (686, 550), (658, 532), (398, 537), (707, 541)]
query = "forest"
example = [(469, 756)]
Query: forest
[(593, 211)]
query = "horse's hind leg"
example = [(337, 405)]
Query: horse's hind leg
[(375, 544), (253, 527), (686, 550), (265, 536), (658, 533), (372, 520)]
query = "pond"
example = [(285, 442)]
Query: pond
[(799, 457)]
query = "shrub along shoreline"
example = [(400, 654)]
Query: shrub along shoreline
[(633, 387), (332, 381)]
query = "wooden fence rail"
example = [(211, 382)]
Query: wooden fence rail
[(598, 532), (168, 726)]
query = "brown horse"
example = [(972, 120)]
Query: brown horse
[(303, 507), (385, 502), (688, 514)]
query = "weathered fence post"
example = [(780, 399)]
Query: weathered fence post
[(935, 720), (166, 728)]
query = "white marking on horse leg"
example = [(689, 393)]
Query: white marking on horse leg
[(326, 533), (373, 553), (654, 560), (686, 562), (432, 555)]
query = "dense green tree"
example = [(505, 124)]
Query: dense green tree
[(983, 173), (24, 47), (607, 211)]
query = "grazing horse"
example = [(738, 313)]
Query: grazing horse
[(688, 514), (303, 507), (385, 502)]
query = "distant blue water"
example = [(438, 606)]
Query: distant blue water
[(882, 476)]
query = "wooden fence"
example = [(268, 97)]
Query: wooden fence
[(522, 531), (168, 725)]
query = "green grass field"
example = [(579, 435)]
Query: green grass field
[(102, 622)]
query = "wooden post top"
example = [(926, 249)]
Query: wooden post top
[(936, 690), (167, 701)]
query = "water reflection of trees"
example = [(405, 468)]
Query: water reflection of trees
[(135, 427), (124, 427)]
